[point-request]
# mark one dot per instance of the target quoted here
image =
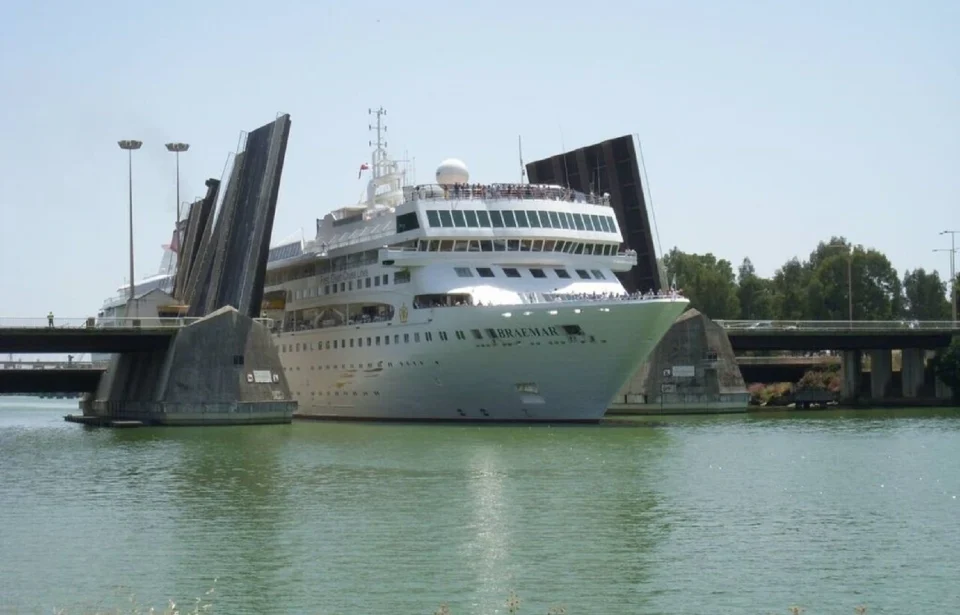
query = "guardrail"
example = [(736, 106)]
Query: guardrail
[(42, 365), (838, 325), (106, 323)]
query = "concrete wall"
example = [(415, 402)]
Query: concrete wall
[(692, 369)]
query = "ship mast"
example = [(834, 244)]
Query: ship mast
[(380, 151)]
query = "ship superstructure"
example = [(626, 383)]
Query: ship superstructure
[(458, 300)]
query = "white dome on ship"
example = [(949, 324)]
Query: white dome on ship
[(452, 171)]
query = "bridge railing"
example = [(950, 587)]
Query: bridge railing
[(839, 325), (40, 365), (107, 323)]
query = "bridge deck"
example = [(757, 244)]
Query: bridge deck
[(838, 335)]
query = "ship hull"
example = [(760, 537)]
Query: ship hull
[(555, 362)]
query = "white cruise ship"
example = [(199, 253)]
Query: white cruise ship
[(460, 301)]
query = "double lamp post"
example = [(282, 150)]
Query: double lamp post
[(130, 145)]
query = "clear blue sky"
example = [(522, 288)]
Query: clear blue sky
[(766, 126)]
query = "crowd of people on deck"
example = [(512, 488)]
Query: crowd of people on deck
[(508, 191)]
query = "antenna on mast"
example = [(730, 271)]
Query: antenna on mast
[(380, 153), (523, 169)]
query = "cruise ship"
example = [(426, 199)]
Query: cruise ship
[(460, 301)]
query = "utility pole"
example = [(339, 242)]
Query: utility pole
[(953, 270)]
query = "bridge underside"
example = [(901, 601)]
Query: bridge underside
[(610, 167), (49, 380)]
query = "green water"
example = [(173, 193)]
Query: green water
[(736, 514)]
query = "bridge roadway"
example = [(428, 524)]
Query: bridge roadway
[(746, 335), (87, 335)]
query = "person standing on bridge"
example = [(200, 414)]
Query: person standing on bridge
[(50, 320)]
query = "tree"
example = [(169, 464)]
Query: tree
[(876, 286), (789, 286), (709, 283), (754, 293), (925, 296)]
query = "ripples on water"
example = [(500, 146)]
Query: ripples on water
[(745, 514)]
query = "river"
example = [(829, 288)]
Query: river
[(721, 514)]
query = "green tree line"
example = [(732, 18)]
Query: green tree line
[(814, 289)]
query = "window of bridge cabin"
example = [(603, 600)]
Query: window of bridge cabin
[(486, 245), (496, 219), (537, 245), (446, 221), (579, 249), (423, 246), (483, 218), (510, 272), (554, 220), (587, 222), (458, 219), (407, 222), (583, 274), (508, 219), (595, 222), (499, 245), (460, 246), (534, 219), (559, 247), (544, 219), (526, 245), (433, 218), (471, 217), (578, 222), (446, 245), (513, 245), (401, 277), (474, 246), (521, 218), (485, 272), (538, 273), (562, 273), (549, 245)]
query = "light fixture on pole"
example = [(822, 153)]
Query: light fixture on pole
[(953, 270), (176, 148), (129, 146), (849, 278)]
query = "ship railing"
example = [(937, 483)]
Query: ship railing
[(521, 192), (610, 297)]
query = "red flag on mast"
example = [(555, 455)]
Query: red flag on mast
[(363, 167)]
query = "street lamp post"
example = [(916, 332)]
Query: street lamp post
[(953, 270), (849, 279), (176, 148), (129, 146)]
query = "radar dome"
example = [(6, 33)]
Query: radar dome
[(452, 171)]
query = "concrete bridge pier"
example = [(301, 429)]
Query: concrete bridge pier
[(911, 371), (851, 365), (881, 373)]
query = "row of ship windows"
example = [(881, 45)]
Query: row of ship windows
[(398, 338), (402, 277), (517, 245), (512, 272), (376, 340), (519, 218)]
